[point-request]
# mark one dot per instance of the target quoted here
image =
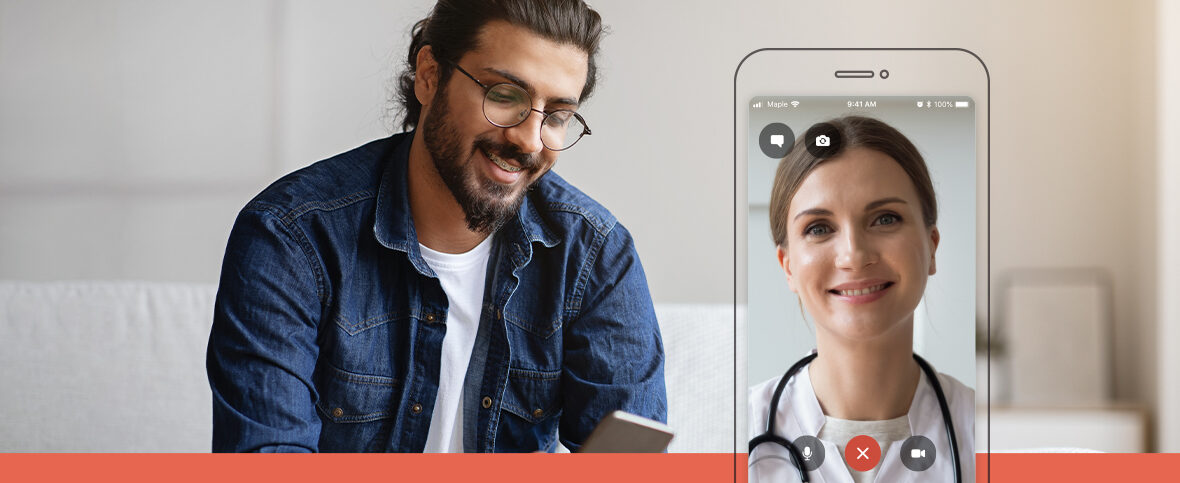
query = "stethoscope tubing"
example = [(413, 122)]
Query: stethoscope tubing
[(797, 459)]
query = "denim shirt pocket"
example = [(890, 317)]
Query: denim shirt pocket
[(542, 329), (356, 410), (533, 403)]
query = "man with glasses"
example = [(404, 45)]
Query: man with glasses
[(441, 289)]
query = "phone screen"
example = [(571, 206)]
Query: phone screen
[(782, 328)]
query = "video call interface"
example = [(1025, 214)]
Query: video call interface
[(943, 130)]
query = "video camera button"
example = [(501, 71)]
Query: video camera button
[(918, 453)]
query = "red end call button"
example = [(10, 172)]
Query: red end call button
[(862, 453)]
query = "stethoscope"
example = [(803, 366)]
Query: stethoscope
[(797, 459)]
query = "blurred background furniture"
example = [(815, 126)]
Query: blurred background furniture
[(1052, 366), (120, 367), (1057, 329), (1111, 428)]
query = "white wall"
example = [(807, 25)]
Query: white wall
[(130, 134)]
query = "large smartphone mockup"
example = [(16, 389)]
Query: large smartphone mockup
[(937, 99)]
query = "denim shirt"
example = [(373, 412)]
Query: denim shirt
[(328, 325)]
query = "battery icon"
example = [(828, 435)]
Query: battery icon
[(960, 103)]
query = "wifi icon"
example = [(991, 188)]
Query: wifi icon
[(794, 103)]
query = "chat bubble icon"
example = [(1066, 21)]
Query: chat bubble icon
[(776, 140)]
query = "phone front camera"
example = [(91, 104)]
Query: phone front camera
[(884, 74)]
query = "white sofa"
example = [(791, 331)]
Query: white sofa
[(120, 367)]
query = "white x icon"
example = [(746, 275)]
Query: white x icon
[(862, 453)]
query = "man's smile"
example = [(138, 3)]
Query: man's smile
[(502, 163)]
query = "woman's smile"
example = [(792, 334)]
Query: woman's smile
[(858, 293)]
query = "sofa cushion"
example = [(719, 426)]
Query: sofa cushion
[(104, 367), (120, 367)]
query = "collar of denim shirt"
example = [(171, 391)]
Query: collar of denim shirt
[(394, 224)]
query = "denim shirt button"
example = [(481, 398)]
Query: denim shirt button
[(430, 317), (487, 402), (416, 408), (537, 413), (337, 412)]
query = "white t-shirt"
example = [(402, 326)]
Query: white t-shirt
[(462, 277)]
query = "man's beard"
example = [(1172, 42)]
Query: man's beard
[(487, 205)]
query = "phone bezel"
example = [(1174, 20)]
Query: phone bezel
[(809, 72)]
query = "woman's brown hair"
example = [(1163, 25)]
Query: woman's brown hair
[(852, 132)]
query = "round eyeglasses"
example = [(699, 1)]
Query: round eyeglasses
[(507, 105)]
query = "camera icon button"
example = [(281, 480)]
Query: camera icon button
[(823, 140)]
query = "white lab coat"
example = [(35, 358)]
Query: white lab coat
[(799, 414)]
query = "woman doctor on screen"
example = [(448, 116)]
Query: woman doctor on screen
[(854, 224)]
